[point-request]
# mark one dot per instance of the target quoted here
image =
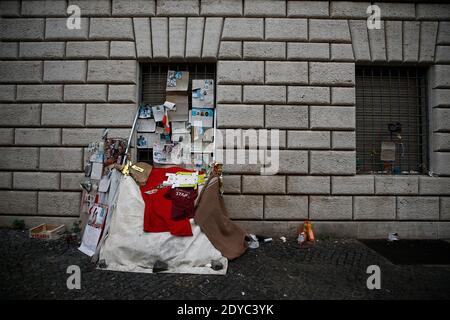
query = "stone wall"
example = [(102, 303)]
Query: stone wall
[(287, 65)]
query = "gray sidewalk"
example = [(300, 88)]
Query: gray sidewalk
[(332, 269)]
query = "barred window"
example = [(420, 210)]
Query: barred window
[(391, 120), (153, 87)]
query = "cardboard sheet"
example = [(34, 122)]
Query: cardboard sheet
[(146, 125), (181, 112)]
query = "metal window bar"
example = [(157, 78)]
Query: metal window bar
[(153, 87), (387, 95)]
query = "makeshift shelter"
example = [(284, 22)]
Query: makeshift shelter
[(141, 216), (126, 247)]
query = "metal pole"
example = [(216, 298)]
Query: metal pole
[(131, 136)]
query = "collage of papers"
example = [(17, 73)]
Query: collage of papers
[(176, 134)]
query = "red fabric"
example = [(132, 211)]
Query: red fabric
[(182, 202), (158, 209)]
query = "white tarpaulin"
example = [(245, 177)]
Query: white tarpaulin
[(128, 248)]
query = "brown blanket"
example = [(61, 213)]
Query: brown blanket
[(212, 217)]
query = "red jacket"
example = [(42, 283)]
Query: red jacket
[(158, 209)]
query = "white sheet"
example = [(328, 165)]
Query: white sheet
[(128, 248)]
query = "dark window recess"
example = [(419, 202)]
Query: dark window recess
[(391, 109), (153, 87)]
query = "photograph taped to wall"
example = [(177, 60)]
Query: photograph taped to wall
[(147, 140), (167, 153), (203, 93), (145, 112), (97, 215), (177, 81)]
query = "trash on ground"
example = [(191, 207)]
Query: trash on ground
[(253, 243), (263, 238), (47, 231), (309, 231), (393, 236), (283, 239), (301, 238), (305, 233)]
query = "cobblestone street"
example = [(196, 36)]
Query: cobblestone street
[(332, 269)]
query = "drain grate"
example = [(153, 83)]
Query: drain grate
[(412, 252)]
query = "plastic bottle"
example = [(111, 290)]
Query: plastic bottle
[(309, 231), (301, 238)]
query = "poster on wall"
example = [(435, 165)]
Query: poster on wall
[(202, 118), (167, 153), (177, 81), (203, 93), (145, 112), (147, 140), (93, 229)]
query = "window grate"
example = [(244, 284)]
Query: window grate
[(153, 87), (391, 95)]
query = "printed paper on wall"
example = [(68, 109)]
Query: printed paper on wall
[(177, 81), (203, 93)]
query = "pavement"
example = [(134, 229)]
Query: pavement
[(331, 269)]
